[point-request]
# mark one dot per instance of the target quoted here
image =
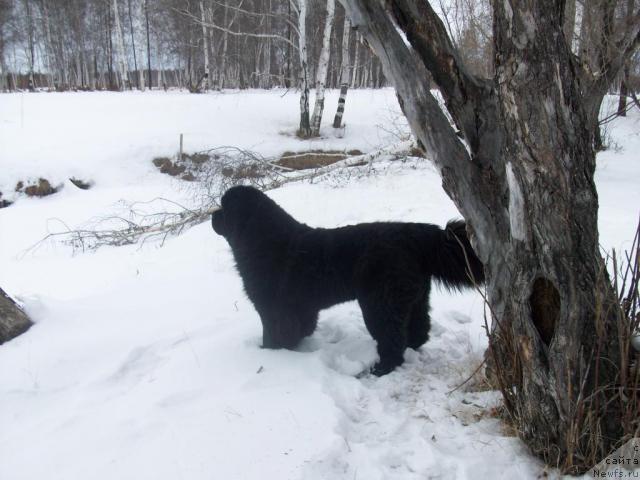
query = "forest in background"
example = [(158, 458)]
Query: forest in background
[(213, 44), (121, 44)]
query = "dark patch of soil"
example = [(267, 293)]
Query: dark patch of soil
[(4, 203), (167, 166), (244, 171), (159, 161), (196, 158), (189, 168), (313, 158), (172, 169), (40, 189), (81, 184)]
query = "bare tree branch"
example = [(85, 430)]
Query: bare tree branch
[(235, 34), (138, 225)]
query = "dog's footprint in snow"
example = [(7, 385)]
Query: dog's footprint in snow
[(459, 317), (436, 329)]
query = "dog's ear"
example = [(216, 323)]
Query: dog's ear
[(218, 222)]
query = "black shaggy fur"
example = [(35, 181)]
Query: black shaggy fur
[(292, 271)]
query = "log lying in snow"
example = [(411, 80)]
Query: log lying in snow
[(13, 321)]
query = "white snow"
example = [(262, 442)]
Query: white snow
[(145, 362)]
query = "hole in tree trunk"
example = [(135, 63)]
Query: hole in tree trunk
[(545, 308)]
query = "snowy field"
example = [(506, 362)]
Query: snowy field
[(144, 362)]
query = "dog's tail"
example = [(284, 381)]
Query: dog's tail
[(455, 264)]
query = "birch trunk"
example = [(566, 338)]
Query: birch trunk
[(205, 47), (146, 15), (31, 48), (266, 83), (356, 62), (48, 47), (305, 127), (321, 73), (138, 73), (344, 73), (122, 59), (225, 45)]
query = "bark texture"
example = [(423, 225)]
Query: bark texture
[(305, 126), (523, 180), (13, 321), (344, 73), (205, 48), (321, 73)]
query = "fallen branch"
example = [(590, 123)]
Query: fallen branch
[(231, 166)]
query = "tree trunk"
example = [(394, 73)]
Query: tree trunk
[(287, 78), (139, 81), (344, 73), (624, 81), (48, 47), (356, 62), (146, 15), (524, 183), (31, 42), (13, 321), (266, 74), (109, 47), (624, 92), (225, 45), (321, 73), (124, 79), (205, 48), (305, 127)]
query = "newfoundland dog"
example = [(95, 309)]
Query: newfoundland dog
[(291, 271)]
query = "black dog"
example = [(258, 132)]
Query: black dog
[(292, 271)]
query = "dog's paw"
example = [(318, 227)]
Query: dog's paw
[(380, 369)]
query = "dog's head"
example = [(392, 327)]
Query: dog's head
[(237, 206)]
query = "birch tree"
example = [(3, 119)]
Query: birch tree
[(321, 72), (523, 180), (122, 59), (356, 61), (301, 9), (344, 73), (146, 17), (138, 73), (205, 47), (30, 44)]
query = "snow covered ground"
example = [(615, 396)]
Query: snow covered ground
[(145, 363)]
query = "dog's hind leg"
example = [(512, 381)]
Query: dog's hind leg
[(386, 313), (419, 321)]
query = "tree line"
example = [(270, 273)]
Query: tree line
[(192, 44)]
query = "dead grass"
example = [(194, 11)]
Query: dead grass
[(40, 189), (311, 159)]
